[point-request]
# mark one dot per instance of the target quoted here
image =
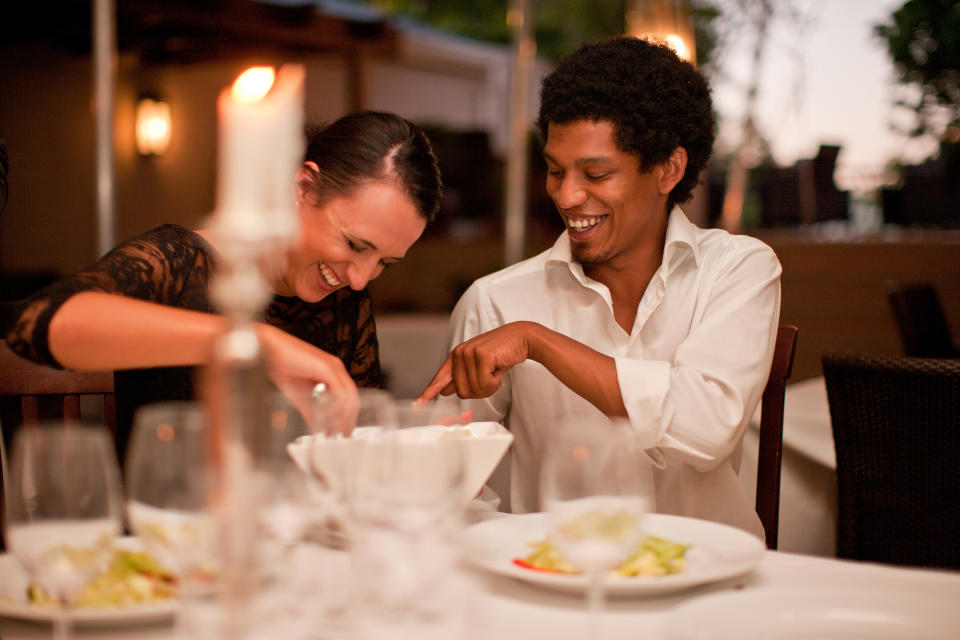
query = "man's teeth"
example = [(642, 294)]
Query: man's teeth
[(329, 276), (582, 224)]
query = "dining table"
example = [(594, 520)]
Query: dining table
[(782, 595)]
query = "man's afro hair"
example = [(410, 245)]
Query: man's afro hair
[(655, 101)]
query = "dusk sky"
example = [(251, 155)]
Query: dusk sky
[(828, 82)]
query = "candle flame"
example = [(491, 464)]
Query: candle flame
[(253, 84)]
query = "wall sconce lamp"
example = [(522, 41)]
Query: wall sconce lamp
[(153, 126), (667, 20)]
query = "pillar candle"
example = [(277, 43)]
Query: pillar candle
[(260, 148)]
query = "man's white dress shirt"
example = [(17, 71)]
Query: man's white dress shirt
[(691, 371)]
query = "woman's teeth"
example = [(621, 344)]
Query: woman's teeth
[(583, 224), (329, 276)]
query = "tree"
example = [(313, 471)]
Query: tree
[(923, 40), (561, 25)]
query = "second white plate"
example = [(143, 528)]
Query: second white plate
[(13, 603), (716, 552)]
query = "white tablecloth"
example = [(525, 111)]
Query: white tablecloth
[(509, 609), (500, 608)]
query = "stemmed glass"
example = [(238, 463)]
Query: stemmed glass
[(171, 494), (594, 491), (341, 423), (63, 508), (282, 491), (283, 508), (336, 419), (404, 509)]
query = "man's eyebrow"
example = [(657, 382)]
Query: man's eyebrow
[(580, 162), (596, 160)]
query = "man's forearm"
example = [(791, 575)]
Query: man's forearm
[(588, 373)]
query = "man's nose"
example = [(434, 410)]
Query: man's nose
[(570, 193)]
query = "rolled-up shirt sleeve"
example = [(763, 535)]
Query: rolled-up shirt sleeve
[(695, 408)]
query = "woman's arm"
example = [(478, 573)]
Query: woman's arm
[(94, 330), (145, 305)]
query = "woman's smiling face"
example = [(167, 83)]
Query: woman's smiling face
[(349, 240)]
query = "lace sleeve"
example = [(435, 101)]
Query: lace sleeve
[(169, 265), (364, 363)]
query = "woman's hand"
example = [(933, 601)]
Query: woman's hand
[(296, 367)]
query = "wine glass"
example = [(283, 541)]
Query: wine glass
[(63, 508), (283, 508), (404, 511), (171, 494), (339, 422), (282, 491), (593, 488)]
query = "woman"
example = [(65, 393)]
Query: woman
[(366, 191)]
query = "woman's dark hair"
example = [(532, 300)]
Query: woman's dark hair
[(655, 101), (373, 145)]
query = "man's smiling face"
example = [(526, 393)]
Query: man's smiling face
[(606, 202)]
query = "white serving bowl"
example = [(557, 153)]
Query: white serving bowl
[(485, 444)]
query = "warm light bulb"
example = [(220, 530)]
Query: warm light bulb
[(253, 84), (153, 127), (677, 44)]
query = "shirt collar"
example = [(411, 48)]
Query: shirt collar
[(560, 255), (680, 240)]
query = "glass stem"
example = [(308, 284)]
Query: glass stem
[(61, 622), (595, 602)]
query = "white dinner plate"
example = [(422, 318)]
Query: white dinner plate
[(13, 603), (794, 613), (716, 552)]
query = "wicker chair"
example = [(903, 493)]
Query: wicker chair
[(896, 429)]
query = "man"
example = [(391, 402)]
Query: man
[(634, 312)]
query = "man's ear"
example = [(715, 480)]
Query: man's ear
[(672, 170)]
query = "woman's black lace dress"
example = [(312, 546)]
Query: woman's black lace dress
[(171, 265)]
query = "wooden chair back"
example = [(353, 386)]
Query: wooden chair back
[(770, 456), (37, 389), (30, 392)]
